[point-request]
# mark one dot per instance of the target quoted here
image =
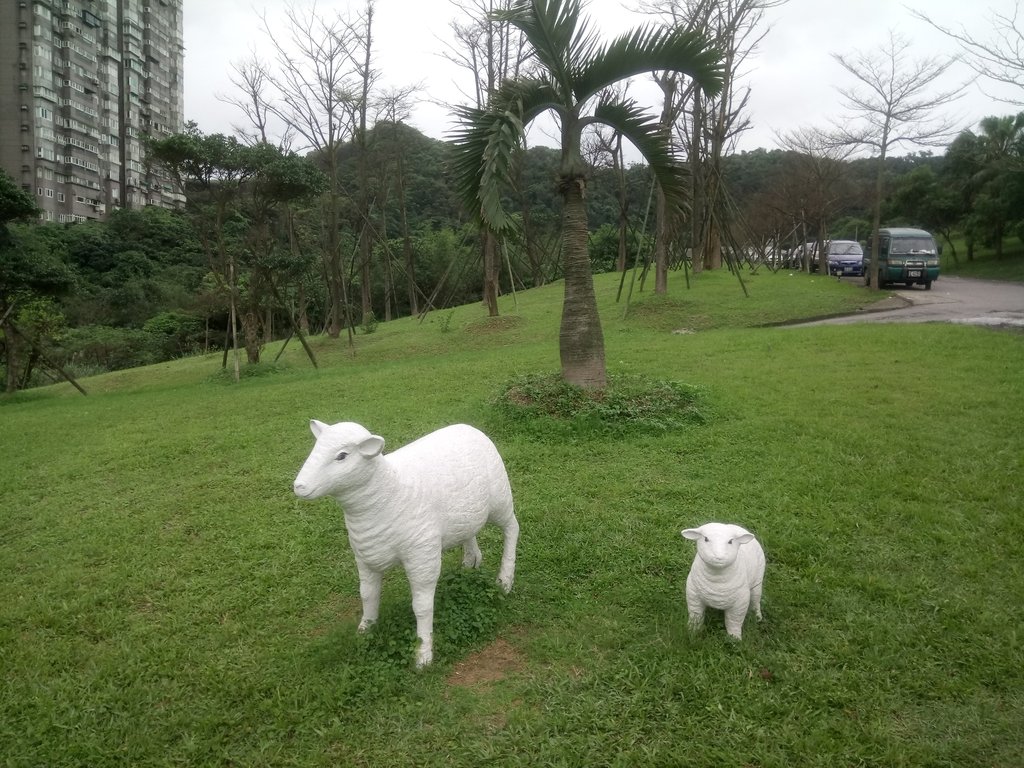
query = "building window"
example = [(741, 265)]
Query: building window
[(60, 197)]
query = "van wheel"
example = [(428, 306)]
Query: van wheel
[(927, 285)]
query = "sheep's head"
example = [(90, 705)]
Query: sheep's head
[(341, 459), (718, 544)]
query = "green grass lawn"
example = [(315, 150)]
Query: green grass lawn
[(165, 599), (985, 265)]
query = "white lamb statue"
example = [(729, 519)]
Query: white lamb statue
[(727, 574), (410, 505)]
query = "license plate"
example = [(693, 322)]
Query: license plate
[(847, 270), (914, 273)]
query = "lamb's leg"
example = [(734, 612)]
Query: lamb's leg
[(507, 572), (755, 600), (695, 609), (369, 592), (471, 554), (734, 616), (423, 585)]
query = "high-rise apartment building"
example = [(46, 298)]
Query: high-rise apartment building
[(81, 82)]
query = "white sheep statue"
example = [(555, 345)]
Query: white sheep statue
[(410, 505), (727, 574)]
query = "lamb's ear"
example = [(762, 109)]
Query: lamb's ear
[(693, 534), (743, 538), (371, 446), (316, 427)]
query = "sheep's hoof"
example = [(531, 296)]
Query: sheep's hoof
[(364, 625), (505, 583)]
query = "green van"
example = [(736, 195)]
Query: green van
[(905, 256)]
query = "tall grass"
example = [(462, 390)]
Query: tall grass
[(165, 600)]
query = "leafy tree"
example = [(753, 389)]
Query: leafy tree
[(573, 72), (931, 202), (234, 191), (32, 267), (15, 203)]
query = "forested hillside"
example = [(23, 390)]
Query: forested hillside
[(151, 284)]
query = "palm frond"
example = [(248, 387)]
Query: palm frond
[(651, 140), (558, 34), (485, 144), (648, 49)]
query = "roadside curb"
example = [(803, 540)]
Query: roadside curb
[(888, 304)]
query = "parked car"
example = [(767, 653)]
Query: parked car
[(908, 256), (845, 257)]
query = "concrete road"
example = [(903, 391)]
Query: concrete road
[(951, 300)]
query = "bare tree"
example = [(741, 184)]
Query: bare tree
[(710, 127), (999, 57), (493, 51), (252, 83), (313, 90), (893, 104), (820, 169), (395, 108), (359, 32)]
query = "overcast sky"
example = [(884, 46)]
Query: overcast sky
[(792, 75)]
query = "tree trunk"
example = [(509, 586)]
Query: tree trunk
[(407, 254), (335, 276), (492, 267), (580, 340), (875, 273), (11, 346), (661, 236)]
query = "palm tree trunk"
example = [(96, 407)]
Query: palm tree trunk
[(580, 340), (491, 270)]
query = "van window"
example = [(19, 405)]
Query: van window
[(913, 245), (842, 248)]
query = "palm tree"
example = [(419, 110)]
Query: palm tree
[(573, 75)]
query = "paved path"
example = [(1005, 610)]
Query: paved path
[(951, 300)]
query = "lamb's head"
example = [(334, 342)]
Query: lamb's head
[(342, 458), (718, 544)]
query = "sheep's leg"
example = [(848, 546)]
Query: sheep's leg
[(755, 600), (424, 584), (734, 616), (471, 554), (507, 572), (696, 620), (695, 608), (369, 592)]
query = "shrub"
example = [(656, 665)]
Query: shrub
[(633, 403)]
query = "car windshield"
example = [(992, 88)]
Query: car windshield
[(912, 245), (845, 249)]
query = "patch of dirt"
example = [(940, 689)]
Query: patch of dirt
[(487, 666)]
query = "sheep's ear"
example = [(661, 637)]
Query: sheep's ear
[(744, 538), (371, 446), (316, 427), (693, 534)]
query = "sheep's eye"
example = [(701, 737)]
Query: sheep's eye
[(341, 456), (730, 541), (706, 539)]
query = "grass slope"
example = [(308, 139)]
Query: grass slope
[(165, 600)]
